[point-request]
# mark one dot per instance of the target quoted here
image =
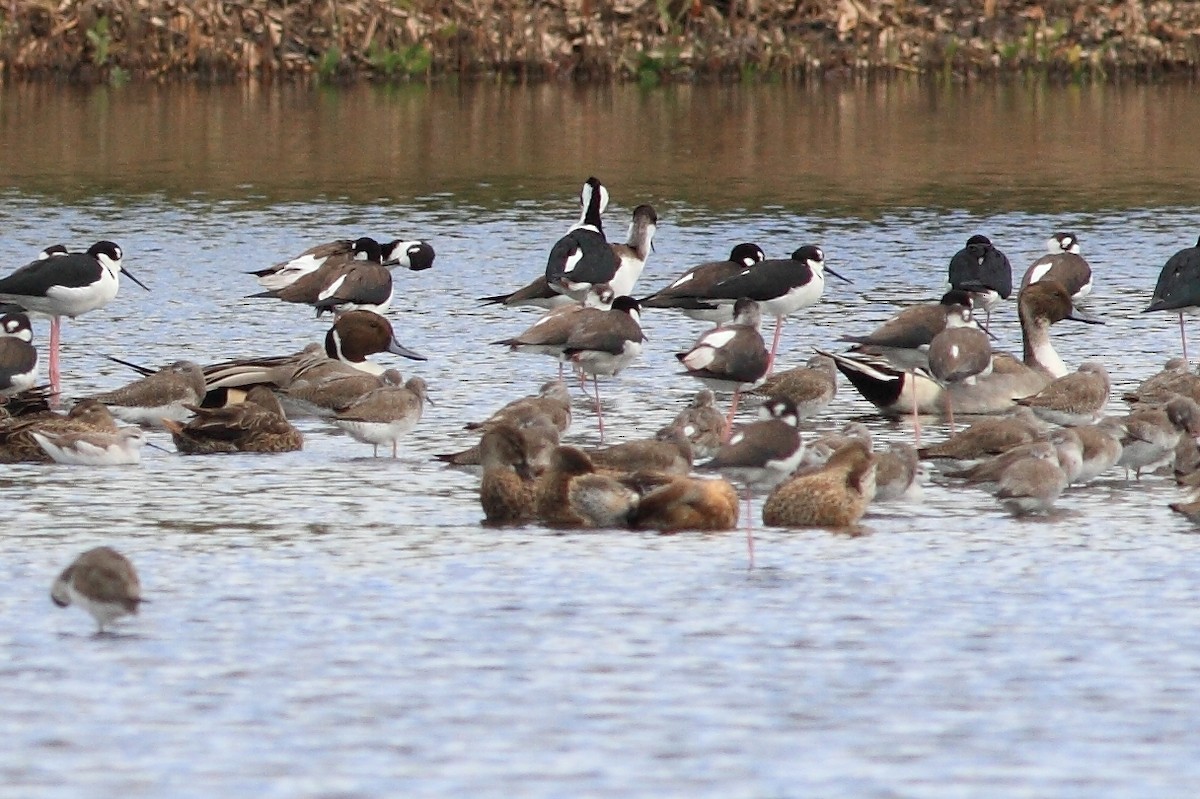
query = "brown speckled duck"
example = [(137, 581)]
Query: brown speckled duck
[(836, 495)]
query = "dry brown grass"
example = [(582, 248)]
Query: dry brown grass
[(657, 40)]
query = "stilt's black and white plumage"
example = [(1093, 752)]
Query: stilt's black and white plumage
[(1062, 262), (62, 284), (983, 271), (1178, 287), (18, 356), (730, 357), (582, 257), (689, 292)]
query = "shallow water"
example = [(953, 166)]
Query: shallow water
[(327, 624)]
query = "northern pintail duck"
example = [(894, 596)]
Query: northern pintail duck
[(572, 493), (17, 444), (66, 284), (896, 391), (354, 337), (1062, 262), (385, 415), (1033, 483), (18, 356), (256, 425), (508, 489), (781, 286), (689, 293), (92, 448), (582, 258), (163, 394), (687, 503), (731, 356), (811, 387), (1077, 398), (836, 495), (983, 271), (103, 582), (701, 423), (1178, 288)]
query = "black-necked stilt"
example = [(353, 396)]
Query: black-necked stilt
[(1178, 287), (582, 258), (781, 286), (385, 415), (1073, 399), (959, 354), (256, 425), (164, 394), (287, 272), (984, 271), (630, 257), (730, 357), (1062, 262), (605, 342), (836, 495), (905, 337), (103, 582), (343, 284), (18, 356), (689, 293), (414, 256), (765, 452), (549, 334), (66, 284)]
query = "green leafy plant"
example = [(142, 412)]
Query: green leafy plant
[(101, 39), (327, 65)]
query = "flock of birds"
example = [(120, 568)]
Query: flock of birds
[(1041, 427)]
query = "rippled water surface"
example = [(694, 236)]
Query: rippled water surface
[(328, 624)]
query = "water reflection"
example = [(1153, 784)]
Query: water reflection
[(839, 149)]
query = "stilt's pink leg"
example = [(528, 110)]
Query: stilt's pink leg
[(599, 412), (774, 344), (1183, 338), (55, 377), (733, 406), (916, 416), (749, 529)]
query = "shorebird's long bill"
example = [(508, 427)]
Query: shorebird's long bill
[(839, 277), (1077, 315), (396, 348), (129, 275)]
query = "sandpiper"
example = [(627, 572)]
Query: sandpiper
[(93, 448), (837, 495), (811, 387), (898, 473), (17, 444), (1152, 433), (163, 394), (385, 415), (1033, 483), (986, 437), (701, 423), (103, 582), (1077, 398)]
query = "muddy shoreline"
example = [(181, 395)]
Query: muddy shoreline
[(93, 41)]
